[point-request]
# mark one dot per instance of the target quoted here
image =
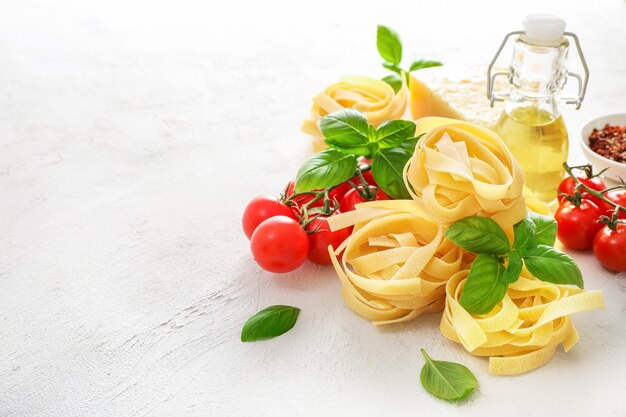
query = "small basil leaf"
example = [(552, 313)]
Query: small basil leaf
[(479, 234), (392, 67), (269, 322), (484, 287), (346, 130), (393, 133), (387, 168), (421, 64), (325, 169), (551, 265), (389, 45), (447, 380), (394, 81), (513, 269), (545, 229), (524, 232)]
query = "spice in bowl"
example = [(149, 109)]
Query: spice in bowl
[(609, 142)]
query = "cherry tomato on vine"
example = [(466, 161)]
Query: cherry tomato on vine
[(353, 197), (300, 201), (618, 197), (279, 244), (609, 247), (568, 184), (577, 226), (261, 208), (321, 237)]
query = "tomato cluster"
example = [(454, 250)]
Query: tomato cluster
[(590, 220), (285, 231)]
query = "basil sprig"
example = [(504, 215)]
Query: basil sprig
[(489, 277), (390, 49), (447, 380), (348, 136), (269, 323)]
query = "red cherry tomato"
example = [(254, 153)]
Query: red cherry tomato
[(261, 208), (279, 244), (609, 247), (577, 226), (618, 197), (568, 184), (322, 237), (353, 197)]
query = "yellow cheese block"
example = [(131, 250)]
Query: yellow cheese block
[(454, 92)]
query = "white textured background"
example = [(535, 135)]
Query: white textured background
[(132, 134)]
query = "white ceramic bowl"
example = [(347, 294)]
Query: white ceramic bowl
[(615, 169)]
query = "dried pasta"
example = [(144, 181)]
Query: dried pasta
[(524, 329), (460, 169), (375, 98), (396, 263)]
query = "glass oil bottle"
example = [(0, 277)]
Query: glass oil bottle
[(531, 124)]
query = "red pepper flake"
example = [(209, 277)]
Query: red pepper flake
[(609, 142)]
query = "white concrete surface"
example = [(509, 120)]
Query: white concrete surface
[(132, 134)]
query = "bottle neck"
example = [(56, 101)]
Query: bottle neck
[(539, 71)]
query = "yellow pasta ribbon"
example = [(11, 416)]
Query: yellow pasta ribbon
[(396, 262), (524, 329), (460, 169), (375, 98)]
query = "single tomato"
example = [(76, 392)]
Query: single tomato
[(609, 247), (261, 208), (279, 244), (568, 184), (354, 197), (618, 197), (577, 226), (320, 237)]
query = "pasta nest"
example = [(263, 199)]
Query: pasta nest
[(523, 330), (396, 262), (375, 98), (460, 169)]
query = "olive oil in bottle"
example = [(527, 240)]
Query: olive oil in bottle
[(539, 142), (531, 124)]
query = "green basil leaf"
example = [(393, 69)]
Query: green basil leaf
[(421, 64), (551, 265), (394, 132), (545, 229), (447, 380), (346, 130), (524, 232), (484, 287), (387, 168), (269, 322), (479, 234), (325, 169), (410, 144), (392, 67), (389, 45), (394, 81), (513, 269)]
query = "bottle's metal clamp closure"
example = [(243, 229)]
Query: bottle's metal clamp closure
[(494, 96)]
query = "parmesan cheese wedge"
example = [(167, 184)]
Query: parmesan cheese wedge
[(454, 92)]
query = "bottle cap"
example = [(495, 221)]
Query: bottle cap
[(545, 29)]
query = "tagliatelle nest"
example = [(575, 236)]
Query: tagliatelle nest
[(523, 330), (460, 169), (375, 98), (396, 263)]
